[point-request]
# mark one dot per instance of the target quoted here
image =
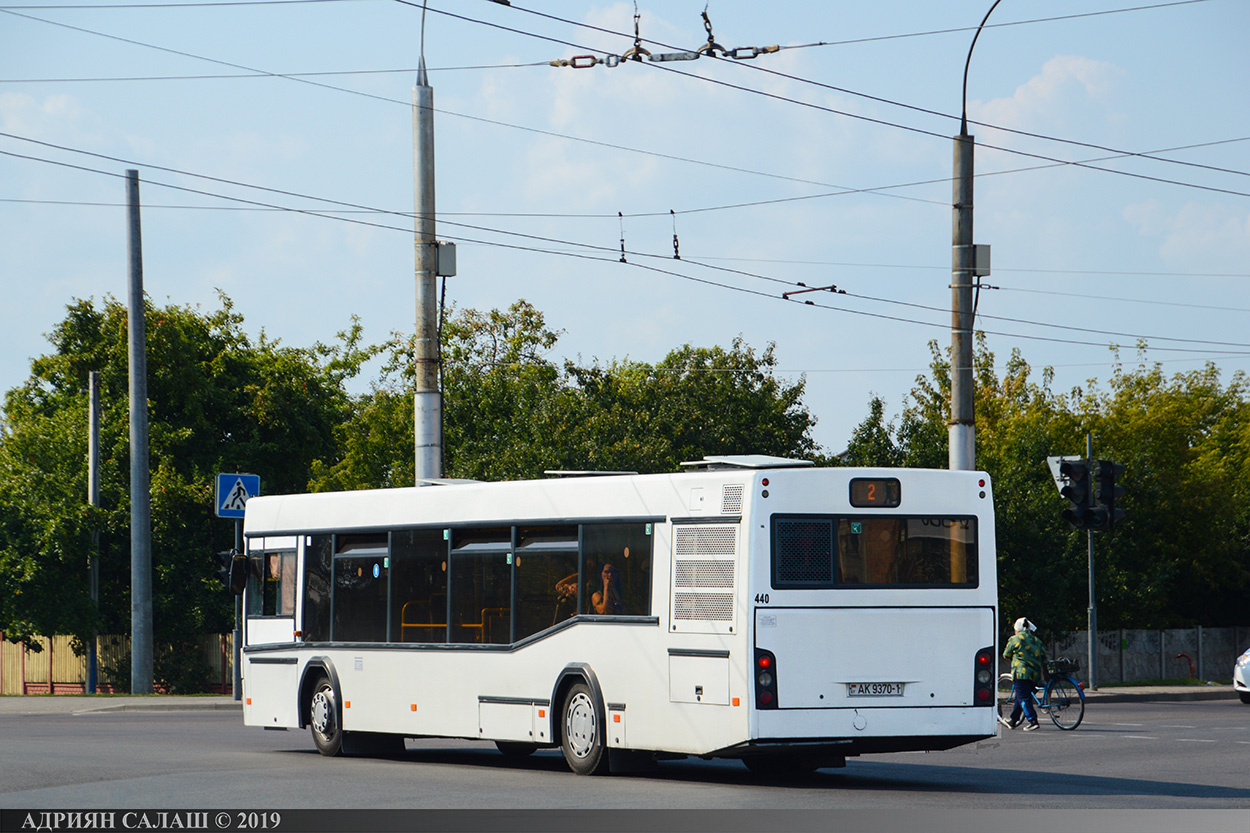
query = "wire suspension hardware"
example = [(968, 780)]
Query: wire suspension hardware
[(676, 247), (620, 216), (712, 49), (637, 52), (830, 288)]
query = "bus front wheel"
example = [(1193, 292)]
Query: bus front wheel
[(323, 715), (581, 730)]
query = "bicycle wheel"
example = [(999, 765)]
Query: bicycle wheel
[(1065, 702), (1005, 703)]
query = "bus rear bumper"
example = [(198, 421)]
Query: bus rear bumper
[(866, 731)]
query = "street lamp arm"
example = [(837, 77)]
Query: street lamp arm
[(963, 118)]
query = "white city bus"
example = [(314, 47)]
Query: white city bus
[(748, 607)]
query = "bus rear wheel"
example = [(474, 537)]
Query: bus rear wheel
[(323, 716), (581, 725)]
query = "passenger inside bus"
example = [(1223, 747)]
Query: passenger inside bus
[(603, 590), (607, 598)]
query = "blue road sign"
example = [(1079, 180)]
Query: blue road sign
[(233, 490)]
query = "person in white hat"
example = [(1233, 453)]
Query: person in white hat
[(1028, 657)]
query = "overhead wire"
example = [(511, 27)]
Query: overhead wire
[(878, 191), (596, 248), (190, 5), (303, 78), (892, 102), (242, 75), (538, 237)]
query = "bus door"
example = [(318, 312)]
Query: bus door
[(269, 600)]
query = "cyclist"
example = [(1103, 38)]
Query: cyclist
[(1028, 657)]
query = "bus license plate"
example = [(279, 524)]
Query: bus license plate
[(874, 689)]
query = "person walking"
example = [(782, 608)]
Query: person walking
[(1028, 657)]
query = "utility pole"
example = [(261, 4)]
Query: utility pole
[(140, 484), (1092, 613), (962, 425), (428, 399), (964, 265), (93, 499)]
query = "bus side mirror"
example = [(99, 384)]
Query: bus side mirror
[(238, 574)]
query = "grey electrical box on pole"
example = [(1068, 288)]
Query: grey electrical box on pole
[(140, 483), (428, 398)]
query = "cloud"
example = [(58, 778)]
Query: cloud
[(1069, 89), (1196, 236), (28, 116)]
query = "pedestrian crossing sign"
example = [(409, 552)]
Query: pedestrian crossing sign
[(233, 491)]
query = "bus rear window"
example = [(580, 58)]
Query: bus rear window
[(824, 551)]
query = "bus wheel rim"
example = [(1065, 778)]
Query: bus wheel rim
[(580, 725), (321, 712)]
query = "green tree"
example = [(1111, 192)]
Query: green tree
[(510, 412), (217, 402)]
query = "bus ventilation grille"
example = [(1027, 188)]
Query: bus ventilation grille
[(703, 573), (731, 500), (803, 552)]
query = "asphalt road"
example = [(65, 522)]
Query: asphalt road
[(1138, 756)]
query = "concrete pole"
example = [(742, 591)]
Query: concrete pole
[(962, 424), (93, 499), (1092, 613), (427, 401), (140, 483)]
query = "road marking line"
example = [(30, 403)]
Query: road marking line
[(1177, 727), (1128, 724), (1193, 740), (1141, 737)]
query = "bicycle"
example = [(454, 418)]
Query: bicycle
[(1062, 697)]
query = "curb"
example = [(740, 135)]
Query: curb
[(163, 707), (1158, 696)]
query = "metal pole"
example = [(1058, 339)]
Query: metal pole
[(1092, 618), (140, 484), (427, 401), (962, 426), (236, 659), (93, 499)]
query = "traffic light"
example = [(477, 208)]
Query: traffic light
[(1081, 511), (1106, 492), (223, 566)]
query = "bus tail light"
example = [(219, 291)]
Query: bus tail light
[(983, 680), (765, 679)]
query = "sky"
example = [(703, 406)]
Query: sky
[(273, 142)]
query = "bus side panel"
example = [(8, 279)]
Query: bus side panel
[(269, 694)]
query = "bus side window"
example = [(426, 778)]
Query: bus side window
[(546, 577), (418, 586), (271, 584), (480, 573), (616, 569), (318, 560)]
